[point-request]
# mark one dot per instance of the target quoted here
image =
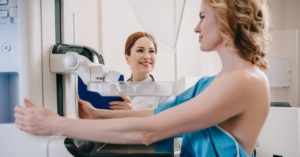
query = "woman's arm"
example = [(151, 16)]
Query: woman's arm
[(226, 97), (108, 114), (87, 111), (41, 121), (126, 104), (223, 99)]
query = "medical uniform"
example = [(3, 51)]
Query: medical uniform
[(142, 102), (209, 142)]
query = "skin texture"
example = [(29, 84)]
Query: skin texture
[(142, 61), (237, 100)]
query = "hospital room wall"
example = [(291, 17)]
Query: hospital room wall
[(284, 19), (86, 24), (291, 21), (116, 21), (108, 33), (192, 61)]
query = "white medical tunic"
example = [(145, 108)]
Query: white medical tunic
[(144, 102)]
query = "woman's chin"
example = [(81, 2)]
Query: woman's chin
[(205, 49), (145, 71)]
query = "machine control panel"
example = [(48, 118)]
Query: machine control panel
[(13, 8), (3, 1), (8, 10), (3, 13), (9, 35)]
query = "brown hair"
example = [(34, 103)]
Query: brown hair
[(134, 37), (244, 26)]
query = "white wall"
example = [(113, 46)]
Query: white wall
[(284, 44), (114, 21), (193, 62), (86, 24), (119, 22), (285, 17), (105, 25), (277, 14), (291, 21)]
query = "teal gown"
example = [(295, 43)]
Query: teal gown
[(209, 142)]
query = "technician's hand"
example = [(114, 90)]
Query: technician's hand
[(86, 109), (36, 120), (122, 105)]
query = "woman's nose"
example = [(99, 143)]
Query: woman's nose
[(146, 55), (197, 28)]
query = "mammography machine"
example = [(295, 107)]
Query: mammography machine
[(39, 61), (34, 64)]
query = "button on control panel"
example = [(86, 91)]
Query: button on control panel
[(5, 47), (3, 13), (3, 1)]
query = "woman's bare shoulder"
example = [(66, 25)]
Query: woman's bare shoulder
[(253, 86), (251, 77), (246, 84)]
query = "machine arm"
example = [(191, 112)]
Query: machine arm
[(83, 61)]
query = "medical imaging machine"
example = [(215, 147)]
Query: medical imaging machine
[(39, 61)]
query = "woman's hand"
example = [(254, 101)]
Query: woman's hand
[(122, 105), (86, 109), (36, 120)]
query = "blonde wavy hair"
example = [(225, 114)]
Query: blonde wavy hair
[(244, 26)]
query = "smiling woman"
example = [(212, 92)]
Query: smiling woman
[(140, 55)]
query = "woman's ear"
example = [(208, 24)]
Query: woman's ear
[(127, 59)]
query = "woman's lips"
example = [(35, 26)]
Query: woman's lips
[(146, 64), (200, 38)]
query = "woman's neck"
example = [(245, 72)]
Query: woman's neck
[(136, 77), (230, 60)]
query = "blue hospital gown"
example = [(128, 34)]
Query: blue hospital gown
[(209, 142)]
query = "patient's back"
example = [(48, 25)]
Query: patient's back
[(245, 127)]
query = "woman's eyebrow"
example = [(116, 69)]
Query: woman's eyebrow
[(140, 47)]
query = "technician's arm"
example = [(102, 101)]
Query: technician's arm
[(87, 111), (126, 104)]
